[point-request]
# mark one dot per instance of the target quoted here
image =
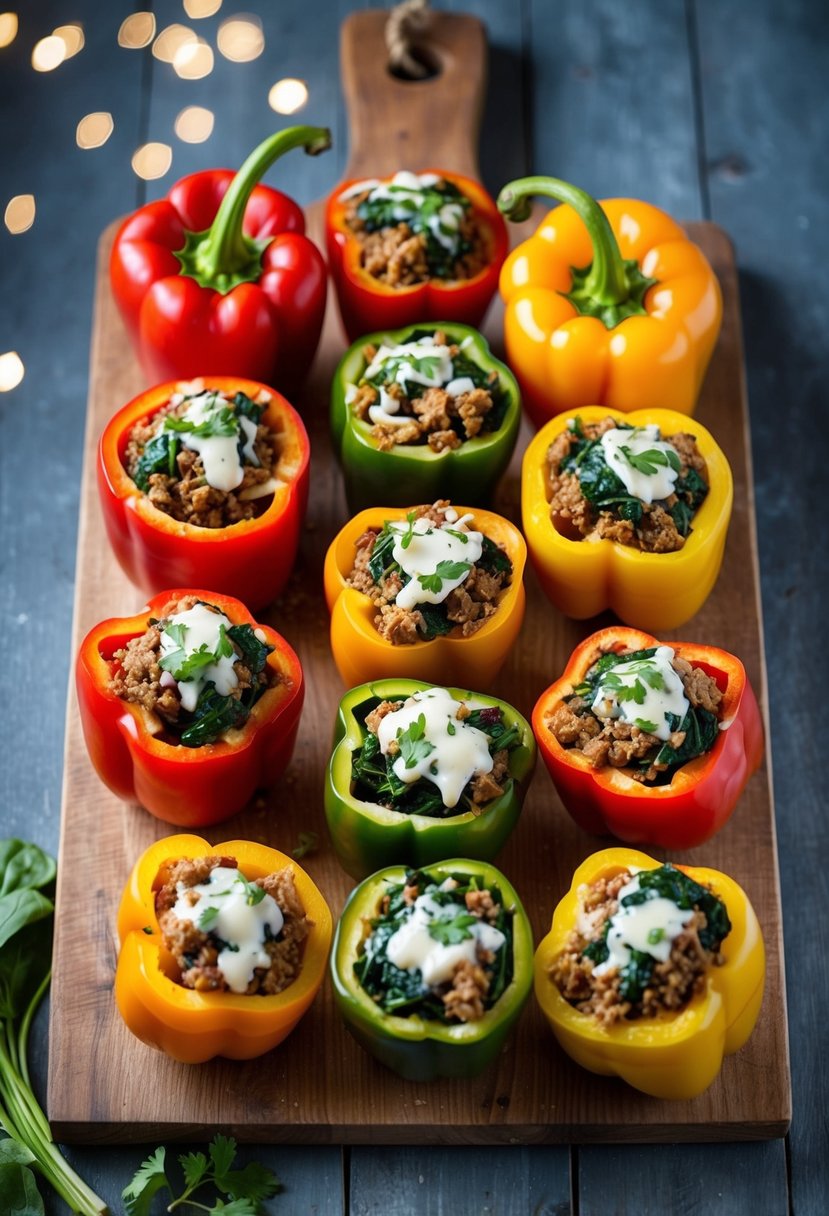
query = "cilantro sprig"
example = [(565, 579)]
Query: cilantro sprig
[(446, 570), (452, 931), (414, 746), (184, 666), (245, 1188)]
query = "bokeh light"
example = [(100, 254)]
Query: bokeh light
[(12, 371), (193, 60), (194, 124), (8, 28), (240, 38), (48, 54), (94, 130), (171, 39), (136, 31), (20, 213), (152, 160), (201, 8), (288, 95), (72, 38)]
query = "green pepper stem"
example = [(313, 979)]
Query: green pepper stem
[(223, 256), (606, 282)]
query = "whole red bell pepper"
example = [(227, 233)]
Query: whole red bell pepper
[(367, 304), (252, 559), (699, 799), (219, 277), (192, 787)]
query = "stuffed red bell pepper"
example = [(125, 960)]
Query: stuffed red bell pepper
[(205, 483), (413, 247), (189, 706), (219, 276), (653, 743)]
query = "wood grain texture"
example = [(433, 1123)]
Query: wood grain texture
[(320, 1087), (396, 123)]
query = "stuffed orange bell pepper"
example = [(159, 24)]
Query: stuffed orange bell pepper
[(653, 560), (639, 749), (189, 706), (155, 466), (218, 1016), (607, 303), (450, 244), (653, 976), (403, 586)]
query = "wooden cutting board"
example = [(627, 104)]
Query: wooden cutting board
[(104, 1085)]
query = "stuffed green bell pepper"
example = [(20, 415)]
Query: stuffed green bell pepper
[(422, 413), (431, 967), (420, 773)]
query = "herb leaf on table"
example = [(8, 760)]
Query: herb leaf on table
[(245, 1187)]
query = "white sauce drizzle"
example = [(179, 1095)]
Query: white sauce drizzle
[(430, 545), (238, 923), (220, 453), (455, 759), (408, 197), (648, 487), (201, 625), (631, 928), (412, 948), (658, 702)]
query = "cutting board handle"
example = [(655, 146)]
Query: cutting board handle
[(401, 124)]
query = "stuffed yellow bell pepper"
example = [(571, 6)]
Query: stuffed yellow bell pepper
[(193, 1024), (651, 972), (584, 572), (608, 302), (434, 594)]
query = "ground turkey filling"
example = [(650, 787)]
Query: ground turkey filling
[(435, 417), (575, 517), (672, 983), (467, 995), (619, 744), (186, 496), (399, 257), (483, 788), (138, 678), (467, 606), (196, 951)]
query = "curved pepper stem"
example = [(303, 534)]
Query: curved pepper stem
[(611, 287), (223, 257)]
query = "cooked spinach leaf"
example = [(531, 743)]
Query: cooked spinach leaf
[(158, 456)]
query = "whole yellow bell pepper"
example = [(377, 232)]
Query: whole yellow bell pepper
[(362, 654), (607, 303), (195, 1026), (652, 591), (675, 1054)]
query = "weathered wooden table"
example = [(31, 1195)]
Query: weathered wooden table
[(712, 110)]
